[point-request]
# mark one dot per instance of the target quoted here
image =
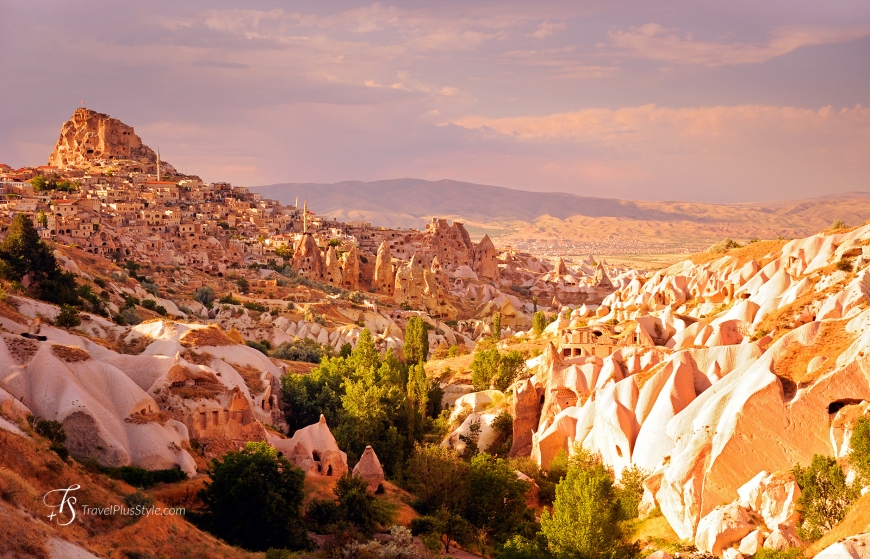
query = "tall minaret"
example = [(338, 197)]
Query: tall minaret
[(305, 217), (297, 204), (158, 164)]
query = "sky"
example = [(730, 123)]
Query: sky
[(729, 101)]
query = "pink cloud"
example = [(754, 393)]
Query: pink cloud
[(654, 42)]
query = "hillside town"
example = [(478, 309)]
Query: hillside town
[(106, 193)]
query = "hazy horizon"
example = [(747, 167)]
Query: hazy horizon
[(718, 103)]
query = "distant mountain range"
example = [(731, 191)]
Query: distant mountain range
[(568, 222)]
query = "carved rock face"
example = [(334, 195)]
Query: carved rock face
[(89, 135)]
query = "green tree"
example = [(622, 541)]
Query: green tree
[(446, 525), (205, 295), (859, 457), (254, 499), (357, 506), (437, 477), (306, 397), (418, 399), (585, 522), (496, 326), (825, 496), (39, 184), (630, 490), (43, 219), (503, 425), (416, 341), (496, 503), (519, 547), (243, 284), (491, 368), (539, 323), (24, 257)]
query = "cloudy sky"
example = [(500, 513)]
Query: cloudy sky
[(726, 101)]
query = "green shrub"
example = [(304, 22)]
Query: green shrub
[(859, 457), (68, 317), (53, 431), (790, 553), (306, 350), (724, 246), (539, 323), (142, 478), (357, 506), (262, 346), (825, 496), (844, 265), (205, 295), (251, 306), (138, 501), (322, 515), (228, 299), (838, 224)]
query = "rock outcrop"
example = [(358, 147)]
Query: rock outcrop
[(320, 448), (332, 268), (384, 278), (350, 270), (485, 263), (90, 136), (307, 259), (369, 468)]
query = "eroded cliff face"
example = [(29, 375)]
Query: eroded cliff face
[(89, 136)]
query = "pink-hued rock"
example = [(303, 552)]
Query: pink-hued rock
[(724, 526), (369, 468)]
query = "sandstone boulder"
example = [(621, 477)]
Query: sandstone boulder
[(782, 538), (724, 526), (751, 543)]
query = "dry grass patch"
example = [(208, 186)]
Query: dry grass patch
[(70, 354), (143, 418), (194, 393), (10, 312), (297, 367), (758, 251), (252, 379), (20, 537), (655, 532), (211, 336), (136, 346), (198, 358), (22, 349)]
